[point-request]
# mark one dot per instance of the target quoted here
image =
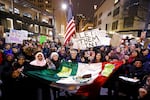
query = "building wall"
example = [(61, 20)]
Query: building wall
[(55, 9), (101, 15), (32, 24), (126, 21), (60, 17), (44, 4)]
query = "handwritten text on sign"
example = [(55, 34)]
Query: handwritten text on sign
[(16, 36), (91, 38)]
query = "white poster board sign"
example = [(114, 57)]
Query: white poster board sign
[(24, 34), (91, 38), (16, 36)]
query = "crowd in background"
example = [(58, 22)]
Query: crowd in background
[(31, 55)]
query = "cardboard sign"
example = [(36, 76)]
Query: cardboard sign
[(116, 40)]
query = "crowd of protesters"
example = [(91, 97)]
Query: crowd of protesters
[(31, 55)]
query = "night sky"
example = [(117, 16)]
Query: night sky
[(85, 7)]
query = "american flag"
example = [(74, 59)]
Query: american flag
[(70, 28)]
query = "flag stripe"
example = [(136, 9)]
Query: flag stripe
[(70, 28), (69, 31), (70, 23), (68, 37)]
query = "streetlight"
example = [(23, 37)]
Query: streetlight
[(64, 6)]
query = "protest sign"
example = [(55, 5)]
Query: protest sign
[(91, 38), (16, 36), (116, 40)]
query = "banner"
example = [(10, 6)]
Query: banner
[(75, 73), (24, 34), (91, 38), (90, 70)]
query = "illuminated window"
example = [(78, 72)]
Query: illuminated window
[(16, 11), (36, 28), (9, 23), (116, 1), (2, 7)]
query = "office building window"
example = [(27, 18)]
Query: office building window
[(116, 11), (115, 25), (95, 21), (0, 21), (100, 15), (36, 28), (9, 23), (106, 28), (109, 13), (2, 7), (99, 22), (48, 6), (18, 25), (40, 5), (41, 1), (33, 0), (128, 22)]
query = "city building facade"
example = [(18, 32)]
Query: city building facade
[(59, 15), (126, 17), (82, 23), (22, 15), (38, 17)]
